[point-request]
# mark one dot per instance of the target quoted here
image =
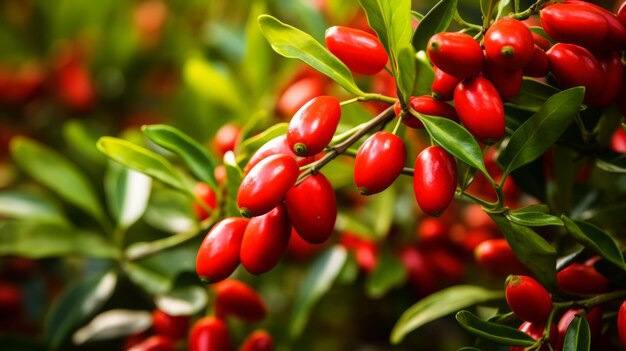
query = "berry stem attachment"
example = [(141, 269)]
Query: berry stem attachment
[(529, 11)]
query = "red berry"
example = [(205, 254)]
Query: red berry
[(421, 273), (457, 54), (265, 240), (204, 192), (509, 44), (618, 140), (611, 64), (266, 184), (275, 146), (574, 24), (434, 180), (313, 126), (173, 327), (218, 256), (480, 109), (539, 65), (379, 161), (528, 299), (507, 82), (313, 220), (259, 340), (497, 257), (365, 250), (541, 41), (154, 343), (299, 249), (209, 334), (433, 230), (428, 105), (226, 138), (237, 298), (621, 323), (359, 50), (443, 85), (299, 93), (535, 331), (616, 36), (579, 278)]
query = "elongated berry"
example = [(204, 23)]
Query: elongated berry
[(379, 161), (509, 44), (259, 340), (443, 85), (434, 180), (218, 256), (265, 240), (574, 24), (209, 334), (528, 299), (457, 54), (236, 298), (313, 126), (360, 51), (573, 65), (480, 109)]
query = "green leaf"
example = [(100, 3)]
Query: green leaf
[(424, 75), (193, 153), (82, 140), (212, 84), (251, 144), (255, 66), (170, 211), (407, 71), (39, 240), (440, 304), (317, 282), (291, 42), (347, 222), (501, 334), (533, 219), (542, 130), (27, 205), (391, 20), (234, 176), (381, 212), (127, 192), (113, 324), (532, 95), (436, 20), (456, 140), (183, 301), (615, 164), (77, 304), (531, 249), (141, 160), (578, 335), (596, 239), (389, 273), (53, 170)]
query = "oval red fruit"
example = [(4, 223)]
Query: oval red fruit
[(237, 298), (209, 334), (205, 194), (507, 82), (265, 240), (313, 126), (480, 109), (218, 256), (618, 140), (573, 65), (579, 278), (539, 65), (313, 220), (259, 340), (574, 24), (611, 64), (266, 184), (457, 54), (360, 51), (509, 44), (497, 257), (621, 323), (616, 36), (174, 327), (299, 93), (433, 231), (379, 161), (275, 146), (226, 138), (154, 343), (528, 299), (443, 85), (434, 180)]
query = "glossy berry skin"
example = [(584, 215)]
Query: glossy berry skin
[(204, 192), (379, 161), (539, 64), (616, 35), (275, 146), (443, 85), (226, 138), (507, 82), (509, 44), (154, 343), (611, 64), (299, 93), (574, 65), (173, 327), (313, 220), (528, 299), (265, 240), (360, 51), (457, 54), (480, 109), (535, 331), (218, 256), (301, 250), (313, 126), (574, 24), (259, 340), (621, 14), (621, 324), (497, 257), (434, 180), (579, 278), (266, 184), (618, 140), (238, 299), (428, 105), (209, 334)]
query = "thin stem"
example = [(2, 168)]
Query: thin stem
[(340, 148), (487, 19), (395, 129), (529, 11), (408, 171), (349, 101), (461, 21), (345, 135), (377, 97), (483, 203)]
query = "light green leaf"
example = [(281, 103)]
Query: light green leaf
[(436, 20), (170, 211), (533, 219), (291, 42), (251, 144), (501, 334), (391, 20), (255, 66), (542, 130), (407, 71), (183, 301), (596, 239), (113, 324), (27, 205), (53, 170), (142, 160), (440, 304), (211, 83), (578, 335), (381, 212), (347, 222), (127, 192), (317, 282)]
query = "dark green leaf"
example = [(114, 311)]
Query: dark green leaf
[(542, 208), (456, 140), (578, 335), (389, 273), (27, 205), (78, 303), (317, 282), (436, 20), (615, 164), (127, 193), (531, 249), (596, 239), (533, 219), (542, 130), (53, 170), (501, 334), (113, 324), (142, 160), (195, 155), (532, 95), (440, 304), (291, 42), (38, 240), (406, 71), (381, 211)]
